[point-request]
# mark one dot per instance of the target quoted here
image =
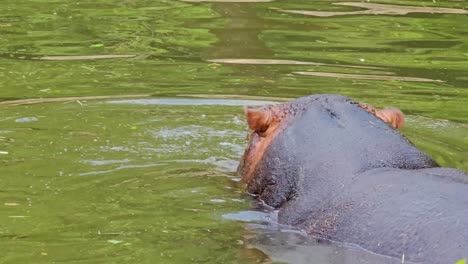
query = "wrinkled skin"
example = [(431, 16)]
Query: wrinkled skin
[(339, 170)]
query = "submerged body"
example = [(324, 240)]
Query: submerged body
[(335, 169)]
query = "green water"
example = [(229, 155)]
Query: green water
[(141, 180)]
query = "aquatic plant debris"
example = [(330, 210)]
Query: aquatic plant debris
[(227, 1), (378, 9), (367, 77), (83, 57), (26, 119), (112, 241), (287, 62), (99, 45)]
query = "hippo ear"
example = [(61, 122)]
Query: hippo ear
[(258, 120), (392, 116)]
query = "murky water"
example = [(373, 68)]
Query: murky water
[(121, 122)]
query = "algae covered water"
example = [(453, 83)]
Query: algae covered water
[(121, 122)]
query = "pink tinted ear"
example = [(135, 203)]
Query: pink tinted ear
[(258, 120), (392, 116)]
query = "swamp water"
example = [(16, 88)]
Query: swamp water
[(121, 122)]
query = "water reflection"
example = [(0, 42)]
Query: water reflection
[(284, 244), (250, 216), (290, 246), (83, 57), (227, 1), (379, 9), (238, 97), (288, 62), (240, 36), (66, 99), (367, 77), (177, 101)]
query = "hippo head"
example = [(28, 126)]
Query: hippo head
[(319, 132), (267, 122)]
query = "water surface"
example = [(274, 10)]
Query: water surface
[(121, 122)]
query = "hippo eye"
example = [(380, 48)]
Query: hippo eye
[(262, 132)]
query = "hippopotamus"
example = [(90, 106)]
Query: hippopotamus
[(341, 170)]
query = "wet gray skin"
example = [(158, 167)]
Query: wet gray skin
[(340, 173)]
